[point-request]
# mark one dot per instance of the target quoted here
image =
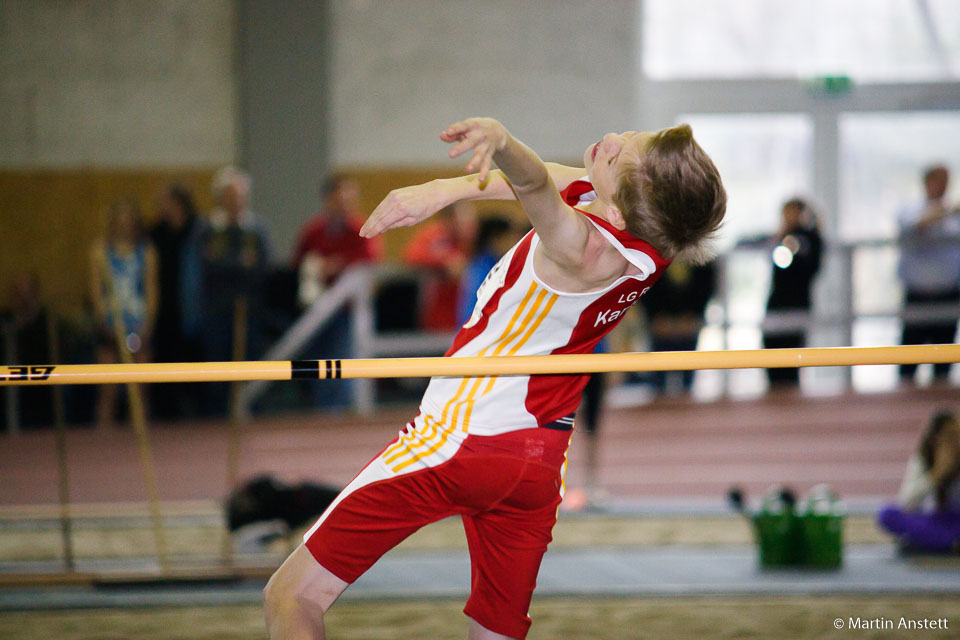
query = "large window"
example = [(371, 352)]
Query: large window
[(882, 156), (763, 160), (740, 72), (868, 40), (881, 159)]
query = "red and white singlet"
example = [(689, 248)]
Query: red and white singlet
[(488, 424), (518, 314)]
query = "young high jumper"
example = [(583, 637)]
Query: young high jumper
[(493, 449)]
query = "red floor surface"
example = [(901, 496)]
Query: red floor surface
[(858, 444)]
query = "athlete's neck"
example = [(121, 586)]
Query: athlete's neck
[(601, 209)]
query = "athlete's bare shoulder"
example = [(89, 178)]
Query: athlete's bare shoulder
[(600, 265)]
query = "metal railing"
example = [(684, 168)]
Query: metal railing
[(841, 313), (356, 290)]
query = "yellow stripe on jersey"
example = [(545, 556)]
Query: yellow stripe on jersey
[(523, 325), (502, 344), (403, 448), (447, 429), (533, 327), (407, 443), (563, 472)]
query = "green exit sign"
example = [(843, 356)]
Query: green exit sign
[(834, 85)]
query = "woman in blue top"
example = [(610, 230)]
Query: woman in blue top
[(123, 283)]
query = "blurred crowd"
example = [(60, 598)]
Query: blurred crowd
[(204, 286)]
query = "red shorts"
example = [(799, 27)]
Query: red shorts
[(506, 488)]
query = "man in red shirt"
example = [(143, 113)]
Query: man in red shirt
[(332, 235), (328, 244)]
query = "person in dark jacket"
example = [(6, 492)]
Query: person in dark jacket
[(675, 310), (796, 261), (176, 237), (234, 257)]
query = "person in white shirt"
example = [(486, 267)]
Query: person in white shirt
[(930, 264)]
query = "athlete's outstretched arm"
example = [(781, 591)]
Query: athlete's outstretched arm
[(409, 205), (563, 233)]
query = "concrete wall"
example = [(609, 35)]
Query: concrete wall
[(101, 83), (557, 73), (358, 83), (293, 89), (283, 110)]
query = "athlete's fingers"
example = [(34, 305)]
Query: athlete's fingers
[(368, 225), (400, 221), (372, 224), (450, 138), (372, 227), (390, 221), (455, 131), (482, 151), (470, 141), (485, 168), (380, 219)]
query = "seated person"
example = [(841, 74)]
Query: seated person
[(932, 476)]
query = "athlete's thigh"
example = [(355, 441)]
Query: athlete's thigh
[(373, 514), (506, 545)]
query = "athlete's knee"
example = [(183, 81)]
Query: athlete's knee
[(279, 599), (301, 587)]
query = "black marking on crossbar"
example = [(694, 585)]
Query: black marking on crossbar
[(34, 373), (304, 369)]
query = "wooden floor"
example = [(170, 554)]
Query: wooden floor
[(667, 450)]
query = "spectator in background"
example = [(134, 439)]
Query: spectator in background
[(496, 235), (927, 514), (796, 261), (123, 285), (331, 238), (329, 243), (930, 264), (27, 318), (443, 246), (234, 254), (674, 310), (176, 237)]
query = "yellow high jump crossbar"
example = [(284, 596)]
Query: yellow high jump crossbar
[(475, 366)]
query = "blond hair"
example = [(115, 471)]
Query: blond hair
[(673, 197)]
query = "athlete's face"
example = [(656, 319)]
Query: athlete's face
[(607, 159)]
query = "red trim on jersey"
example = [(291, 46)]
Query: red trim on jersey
[(571, 195), (574, 191), (465, 335), (552, 397)]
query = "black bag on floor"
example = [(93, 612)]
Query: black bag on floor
[(265, 498)]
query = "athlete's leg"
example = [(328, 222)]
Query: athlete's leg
[(506, 546), (373, 514), (297, 596), (480, 632)]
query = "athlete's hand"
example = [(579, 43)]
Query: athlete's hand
[(404, 207), (485, 136)]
